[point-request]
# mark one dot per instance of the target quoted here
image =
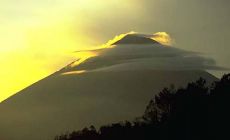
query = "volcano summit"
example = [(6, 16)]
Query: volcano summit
[(113, 85)]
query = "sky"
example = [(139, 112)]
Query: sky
[(38, 37)]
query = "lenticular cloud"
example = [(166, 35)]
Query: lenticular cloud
[(134, 51)]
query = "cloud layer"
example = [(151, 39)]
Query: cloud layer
[(145, 56)]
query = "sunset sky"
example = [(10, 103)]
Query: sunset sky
[(38, 37)]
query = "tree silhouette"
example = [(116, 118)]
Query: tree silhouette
[(191, 113)]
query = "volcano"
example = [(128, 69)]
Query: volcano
[(114, 85), (135, 39)]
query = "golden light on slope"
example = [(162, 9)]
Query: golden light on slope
[(82, 56), (115, 39), (163, 38)]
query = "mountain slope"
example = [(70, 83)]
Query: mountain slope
[(113, 86), (61, 103)]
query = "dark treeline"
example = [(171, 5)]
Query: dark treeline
[(197, 112)]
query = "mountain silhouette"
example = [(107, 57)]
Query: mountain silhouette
[(135, 39), (113, 86)]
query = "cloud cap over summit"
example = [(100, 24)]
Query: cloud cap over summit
[(134, 51)]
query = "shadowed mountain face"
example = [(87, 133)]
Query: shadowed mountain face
[(114, 86), (135, 39)]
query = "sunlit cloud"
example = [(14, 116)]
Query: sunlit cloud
[(74, 72), (163, 38), (83, 55), (140, 56), (110, 43)]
